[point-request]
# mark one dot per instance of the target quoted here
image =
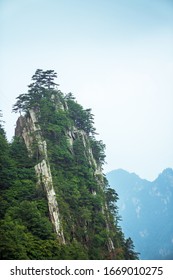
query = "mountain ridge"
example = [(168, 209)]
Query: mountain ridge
[(145, 208)]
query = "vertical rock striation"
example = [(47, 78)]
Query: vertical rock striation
[(71, 136), (27, 127)]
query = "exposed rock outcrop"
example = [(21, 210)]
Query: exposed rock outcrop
[(27, 127)]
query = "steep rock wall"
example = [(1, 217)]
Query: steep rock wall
[(27, 127), (71, 136)]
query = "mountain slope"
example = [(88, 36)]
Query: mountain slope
[(58, 204), (146, 211)]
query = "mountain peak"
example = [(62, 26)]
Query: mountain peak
[(165, 176), (123, 172), (167, 172), (57, 196), (125, 177), (146, 211)]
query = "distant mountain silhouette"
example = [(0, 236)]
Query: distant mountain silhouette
[(146, 209)]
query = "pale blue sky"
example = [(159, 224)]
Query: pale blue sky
[(115, 56)]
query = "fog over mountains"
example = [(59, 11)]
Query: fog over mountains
[(146, 209)]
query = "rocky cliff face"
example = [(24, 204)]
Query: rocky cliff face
[(27, 127)]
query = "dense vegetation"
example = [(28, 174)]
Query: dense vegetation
[(87, 205)]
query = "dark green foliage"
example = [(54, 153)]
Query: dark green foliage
[(24, 215), (29, 215), (111, 199), (130, 254), (82, 119), (7, 165), (86, 204), (13, 241), (42, 80), (98, 150)]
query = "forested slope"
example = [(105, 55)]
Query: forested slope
[(55, 201)]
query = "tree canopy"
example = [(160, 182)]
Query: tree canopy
[(42, 84)]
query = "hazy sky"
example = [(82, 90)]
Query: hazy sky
[(116, 56)]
